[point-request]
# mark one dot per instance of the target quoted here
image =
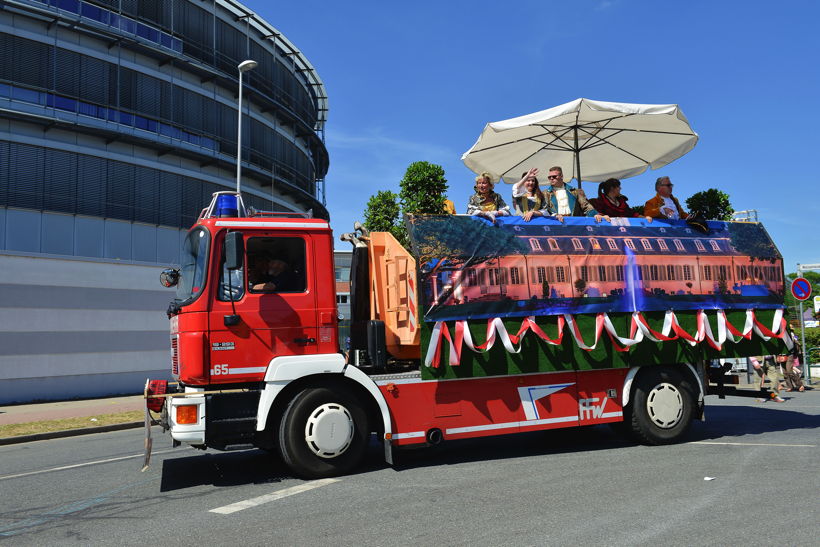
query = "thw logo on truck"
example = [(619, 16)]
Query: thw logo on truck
[(588, 409)]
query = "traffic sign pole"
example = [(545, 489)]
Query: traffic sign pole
[(806, 365)]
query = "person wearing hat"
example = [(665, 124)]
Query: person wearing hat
[(272, 275), (485, 202)]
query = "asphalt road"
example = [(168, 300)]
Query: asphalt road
[(552, 488)]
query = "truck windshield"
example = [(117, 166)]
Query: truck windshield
[(194, 261)]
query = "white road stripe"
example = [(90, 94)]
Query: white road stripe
[(64, 467), (754, 444), (253, 502)]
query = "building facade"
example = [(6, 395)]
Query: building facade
[(118, 120)]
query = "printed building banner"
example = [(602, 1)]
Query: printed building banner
[(519, 297), (472, 269)]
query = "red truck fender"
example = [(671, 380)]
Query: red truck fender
[(360, 377)]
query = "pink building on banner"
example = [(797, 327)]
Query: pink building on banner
[(577, 265)]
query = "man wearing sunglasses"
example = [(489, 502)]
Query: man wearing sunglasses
[(567, 201), (664, 204)]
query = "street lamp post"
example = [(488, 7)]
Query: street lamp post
[(243, 67)]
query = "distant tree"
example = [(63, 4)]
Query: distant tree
[(812, 341), (545, 288), (423, 189), (713, 203), (422, 192), (382, 215)]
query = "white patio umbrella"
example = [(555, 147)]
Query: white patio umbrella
[(604, 139)]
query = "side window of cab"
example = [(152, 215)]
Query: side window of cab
[(276, 265)]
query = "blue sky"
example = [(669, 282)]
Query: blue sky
[(419, 80)]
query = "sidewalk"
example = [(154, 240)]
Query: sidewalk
[(62, 410), (21, 414)]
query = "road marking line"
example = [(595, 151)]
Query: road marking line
[(755, 444), (64, 467), (253, 502)]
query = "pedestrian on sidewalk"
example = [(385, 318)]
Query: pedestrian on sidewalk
[(791, 372), (765, 367)]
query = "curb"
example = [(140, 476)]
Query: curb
[(70, 433)]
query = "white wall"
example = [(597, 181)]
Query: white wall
[(73, 327)]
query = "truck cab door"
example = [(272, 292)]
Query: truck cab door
[(274, 297)]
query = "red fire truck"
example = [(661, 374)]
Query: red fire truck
[(443, 347)]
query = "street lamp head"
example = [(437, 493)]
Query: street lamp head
[(247, 65)]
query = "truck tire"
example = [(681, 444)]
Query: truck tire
[(323, 432), (662, 406)]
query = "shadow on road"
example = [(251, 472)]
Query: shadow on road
[(744, 419), (732, 419), (221, 469)]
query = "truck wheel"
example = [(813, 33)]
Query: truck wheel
[(662, 406), (323, 432)]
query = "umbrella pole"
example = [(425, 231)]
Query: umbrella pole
[(577, 158)]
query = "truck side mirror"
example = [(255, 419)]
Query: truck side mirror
[(169, 277), (234, 250)]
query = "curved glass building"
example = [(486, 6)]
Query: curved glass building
[(118, 120)]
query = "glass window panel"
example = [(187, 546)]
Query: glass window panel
[(144, 31), (144, 242), (117, 239), (58, 234), (64, 103), (128, 25), (23, 230), (87, 109), (69, 5), (276, 264), (27, 95), (167, 245), (88, 236), (93, 12)]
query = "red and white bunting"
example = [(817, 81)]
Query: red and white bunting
[(638, 332)]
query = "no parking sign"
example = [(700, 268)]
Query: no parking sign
[(801, 288)]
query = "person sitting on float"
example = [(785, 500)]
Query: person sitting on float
[(611, 202), (528, 199), (485, 202), (566, 200), (664, 204)]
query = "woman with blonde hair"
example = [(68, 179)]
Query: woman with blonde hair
[(485, 202)]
